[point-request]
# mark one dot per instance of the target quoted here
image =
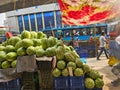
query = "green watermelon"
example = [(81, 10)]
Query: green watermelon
[(13, 40), (78, 72), (40, 52), (9, 48), (65, 72), (89, 83), (30, 50), (25, 34), (78, 62), (56, 72), (14, 63), (18, 45), (94, 74), (71, 64), (2, 55), (37, 42), (2, 48), (61, 64), (51, 51), (5, 64), (99, 83), (27, 42), (21, 51), (11, 56)]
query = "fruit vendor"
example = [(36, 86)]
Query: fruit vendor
[(116, 72)]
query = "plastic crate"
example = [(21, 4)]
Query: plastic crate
[(45, 79), (11, 85), (94, 89), (14, 83), (77, 83), (61, 83), (44, 65), (27, 81), (83, 55)]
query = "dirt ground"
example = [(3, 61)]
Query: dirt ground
[(105, 70)]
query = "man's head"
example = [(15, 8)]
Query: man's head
[(103, 33)]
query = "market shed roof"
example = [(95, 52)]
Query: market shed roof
[(9, 5)]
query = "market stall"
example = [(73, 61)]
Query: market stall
[(41, 63)]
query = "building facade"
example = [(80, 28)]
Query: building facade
[(37, 18)]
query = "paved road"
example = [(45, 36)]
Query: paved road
[(104, 70)]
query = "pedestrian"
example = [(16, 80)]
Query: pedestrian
[(102, 41), (76, 44), (71, 43), (91, 38), (116, 72)]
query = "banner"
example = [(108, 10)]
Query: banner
[(84, 12)]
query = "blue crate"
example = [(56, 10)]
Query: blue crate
[(61, 83), (83, 55), (3, 84), (14, 83), (17, 88), (3, 89), (94, 89), (77, 83)]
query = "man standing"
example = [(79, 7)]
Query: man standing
[(102, 41)]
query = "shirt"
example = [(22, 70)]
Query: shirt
[(102, 41)]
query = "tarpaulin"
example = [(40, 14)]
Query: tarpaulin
[(84, 12), (8, 74)]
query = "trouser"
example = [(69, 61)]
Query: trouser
[(116, 70), (101, 51)]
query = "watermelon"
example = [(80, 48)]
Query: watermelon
[(71, 64), (40, 35), (40, 52), (37, 42), (33, 34), (78, 62), (18, 45), (86, 68), (65, 72), (11, 56), (13, 40), (25, 34), (61, 64), (89, 83), (44, 43), (21, 51), (5, 64), (99, 83), (94, 74), (56, 72), (14, 63), (78, 72), (2, 48), (70, 57), (2, 55), (9, 48), (60, 51), (27, 42), (50, 52), (30, 50)]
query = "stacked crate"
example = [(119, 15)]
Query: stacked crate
[(27, 81), (11, 85), (45, 75)]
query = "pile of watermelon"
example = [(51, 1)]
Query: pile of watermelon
[(33, 43)]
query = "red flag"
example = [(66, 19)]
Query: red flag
[(83, 12)]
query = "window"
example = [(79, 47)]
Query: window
[(32, 21), (39, 21), (49, 20), (58, 19), (20, 23), (26, 22)]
